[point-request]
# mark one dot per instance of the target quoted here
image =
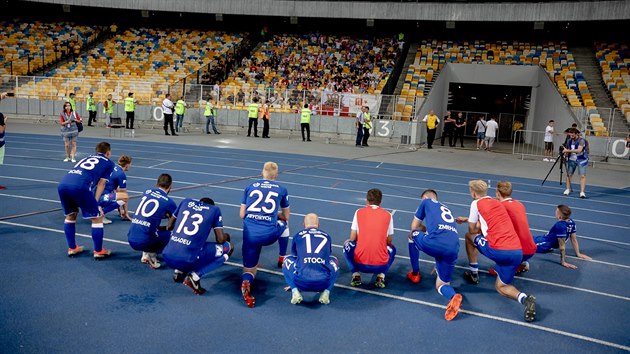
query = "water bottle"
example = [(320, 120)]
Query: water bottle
[(488, 183)]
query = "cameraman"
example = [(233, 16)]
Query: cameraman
[(577, 158)]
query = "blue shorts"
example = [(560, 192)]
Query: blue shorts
[(507, 262), (210, 252), (310, 284), (255, 237), (445, 253), (73, 198), (348, 252), (481, 135), (572, 165), (153, 244), (109, 202)]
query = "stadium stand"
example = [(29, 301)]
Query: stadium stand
[(614, 61), (144, 61), (43, 42), (432, 55), (311, 62)]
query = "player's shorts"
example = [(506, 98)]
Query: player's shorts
[(255, 236), (109, 202), (73, 198), (310, 284), (549, 145), (210, 252), (148, 243), (348, 251), (481, 135), (507, 262), (445, 253), (572, 165)]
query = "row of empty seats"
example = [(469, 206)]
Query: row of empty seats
[(140, 60), (19, 40), (614, 61)]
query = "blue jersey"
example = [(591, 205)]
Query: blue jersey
[(313, 248), (439, 221), (154, 206), (561, 229), (195, 220), (118, 179), (87, 172), (263, 199)]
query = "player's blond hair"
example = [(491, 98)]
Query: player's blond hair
[(504, 188), (479, 187), (270, 170)]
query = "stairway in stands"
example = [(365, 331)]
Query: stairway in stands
[(388, 103)]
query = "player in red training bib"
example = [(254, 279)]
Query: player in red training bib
[(491, 232)]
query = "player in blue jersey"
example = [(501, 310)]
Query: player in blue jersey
[(115, 194), (438, 239), (558, 235), (81, 188), (265, 212), (145, 233), (187, 250), (310, 267)]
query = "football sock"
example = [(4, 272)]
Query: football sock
[(69, 228), (97, 236), (247, 276), (283, 243), (521, 297), (474, 267), (447, 291), (207, 268), (414, 255)]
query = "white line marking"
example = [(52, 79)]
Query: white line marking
[(395, 297), (394, 212), (160, 164), (379, 165)]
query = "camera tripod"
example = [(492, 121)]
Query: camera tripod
[(560, 159)]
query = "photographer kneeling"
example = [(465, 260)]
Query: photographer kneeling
[(577, 158)]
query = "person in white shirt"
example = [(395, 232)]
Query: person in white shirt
[(491, 133), (167, 110), (549, 132)]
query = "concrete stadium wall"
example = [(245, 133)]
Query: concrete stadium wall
[(546, 102), (235, 121), (429, 11)]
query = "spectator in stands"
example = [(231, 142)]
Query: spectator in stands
[(240, 96), (460, 128), (492, 128), (68, 120), (210, 112), (447, 129), (3, 125), (432, 121), (180, 110), (130, 110), (167, 110), (91, 108), (480, 131), (108, 109)]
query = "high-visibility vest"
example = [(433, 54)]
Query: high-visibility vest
[(252, 110), (91, 105), (73, 104), (108, 107), (431, 121), (305, 116), (180, 107), (367, 124), (209, 110), (130, 104)]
